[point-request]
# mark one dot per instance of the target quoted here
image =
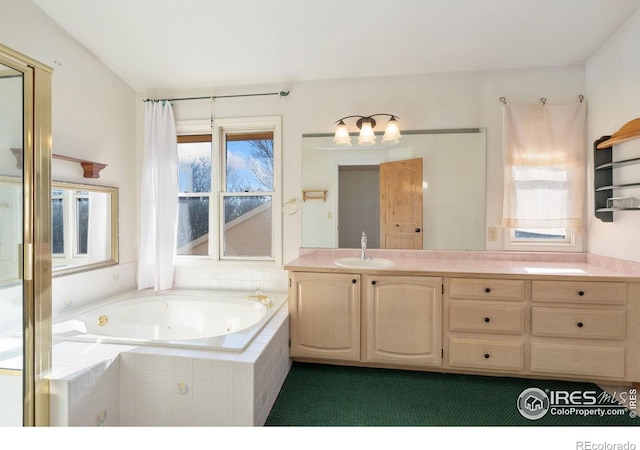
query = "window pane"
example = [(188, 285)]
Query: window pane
[(82, 225), (57, 226), (541, 234), (249, 160), (193, 226), (194, 167), (247, 226)]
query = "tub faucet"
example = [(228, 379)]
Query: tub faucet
[(261, 298), (363, 246)]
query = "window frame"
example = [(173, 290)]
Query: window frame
[(219, 128), (571, 243)]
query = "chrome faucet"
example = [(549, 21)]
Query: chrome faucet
[(363, 245)]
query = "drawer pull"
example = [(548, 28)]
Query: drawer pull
[(486, 355), (487, 319), (373, 282), (354, 281), (487, 290), (580, 324), (580, 293)]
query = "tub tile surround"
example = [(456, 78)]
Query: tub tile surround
[(117, 385), (478, 262), (233, 278)]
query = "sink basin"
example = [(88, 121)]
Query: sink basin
[(357, 263)]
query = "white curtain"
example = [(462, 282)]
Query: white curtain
[(99, 233), (544, 166), (158, 198)]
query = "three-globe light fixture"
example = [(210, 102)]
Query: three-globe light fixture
[(367, 136)]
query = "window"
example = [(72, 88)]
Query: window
[(248, 195), (69, 226), (544, 178), (227, 188), (194, 193)]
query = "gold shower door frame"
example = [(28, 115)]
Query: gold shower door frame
[(36, 256)]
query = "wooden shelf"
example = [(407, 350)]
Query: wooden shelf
[(630, 130), (314, 195), (91, 168)]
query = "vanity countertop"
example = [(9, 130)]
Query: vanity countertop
[(530, 265)]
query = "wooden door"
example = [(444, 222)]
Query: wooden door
[(401, 204)]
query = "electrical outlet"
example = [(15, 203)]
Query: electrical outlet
[(492, 233)]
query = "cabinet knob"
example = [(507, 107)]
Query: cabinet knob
[(580, 324), (486, 319), (486, 355), (354, 281), (487, 290), (418, 230), (373, 282), (580, 293)]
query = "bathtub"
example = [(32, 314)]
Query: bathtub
[(197, 319)]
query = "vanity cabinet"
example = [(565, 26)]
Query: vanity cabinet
[(325, 315), (568, 328), (385, 319), (579, 328), (486, 324), (402, 316)]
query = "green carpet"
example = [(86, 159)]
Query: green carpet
[(324, 395)]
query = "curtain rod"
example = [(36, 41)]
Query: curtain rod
[(543, 100), (213, 97)]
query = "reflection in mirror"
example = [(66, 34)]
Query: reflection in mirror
[(452, 209), (84, 226)]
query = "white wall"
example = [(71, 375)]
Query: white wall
[(432, 101), (93, 117), (613, 90)]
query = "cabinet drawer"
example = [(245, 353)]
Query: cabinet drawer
[(564, 359), (473, 316), (486, 354), (579, 292), (487, 289), (579, 323)]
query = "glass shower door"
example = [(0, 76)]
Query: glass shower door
[(11, 248)]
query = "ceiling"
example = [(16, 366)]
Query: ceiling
[(161, 44)]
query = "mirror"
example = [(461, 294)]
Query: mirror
[(341, 189), (84, 227)]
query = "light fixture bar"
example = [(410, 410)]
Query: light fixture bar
[(367, 137)]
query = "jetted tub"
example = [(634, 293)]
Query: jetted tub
[(211, 320)]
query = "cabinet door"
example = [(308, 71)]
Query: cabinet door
[(324, 310), (403, 316)]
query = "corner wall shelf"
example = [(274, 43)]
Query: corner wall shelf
[(604, 166), (91, 168)]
